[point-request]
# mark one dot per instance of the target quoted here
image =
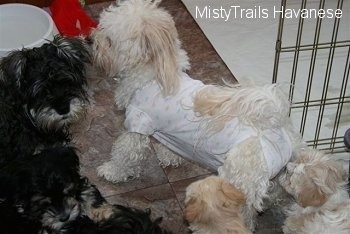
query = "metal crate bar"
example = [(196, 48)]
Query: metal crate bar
[(334, 143)]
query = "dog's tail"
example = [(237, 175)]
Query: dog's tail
[(262, 107)]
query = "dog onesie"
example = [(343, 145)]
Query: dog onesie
[(172, 121)]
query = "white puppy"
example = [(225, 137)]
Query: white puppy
[(322, 203), (242, 132)]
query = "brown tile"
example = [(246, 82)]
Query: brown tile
[(95, 134), (185, 171), (97, 8), (151, 175), (161, 200)]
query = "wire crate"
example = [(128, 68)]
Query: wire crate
[(317, 61)]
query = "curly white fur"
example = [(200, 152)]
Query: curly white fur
[(244, 166), (128, 151), (137, 40), (167, 157), (123, 49)]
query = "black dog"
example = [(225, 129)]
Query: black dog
[(42, 191), (42, 90), (46, 194)]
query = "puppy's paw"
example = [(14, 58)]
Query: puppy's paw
[(174, 162), (167, 157), (103, 212), (114, 173)]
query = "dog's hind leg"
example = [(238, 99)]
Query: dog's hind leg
[(245, 168), (166, 157), (127, 153)]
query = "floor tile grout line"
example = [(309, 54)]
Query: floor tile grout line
[(135, 190)]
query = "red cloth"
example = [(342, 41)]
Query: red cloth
[(70, 18)]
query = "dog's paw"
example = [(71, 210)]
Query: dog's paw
[(174, 162), (115, 174), (103, 212), (167, 157)]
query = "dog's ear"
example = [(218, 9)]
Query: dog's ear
[(158, 41), (102, 58), (73, 49), (311, 196), (13, 67), (328, 176), (322, 183), (235, 196), (194, 209)]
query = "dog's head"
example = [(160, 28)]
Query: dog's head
[(312, 178), (49, 81), (212, 202), (135, 37), (44, 187), (58, 187)]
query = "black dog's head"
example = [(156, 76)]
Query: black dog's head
[(44, 187), (49, 81)]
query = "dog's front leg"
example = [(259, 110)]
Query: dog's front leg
[(166, 157), (127, 153)]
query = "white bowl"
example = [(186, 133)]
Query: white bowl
[(24, 26)]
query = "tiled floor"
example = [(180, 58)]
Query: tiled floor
[(162, 190)]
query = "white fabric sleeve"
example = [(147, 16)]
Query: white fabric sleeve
[(138, 121)]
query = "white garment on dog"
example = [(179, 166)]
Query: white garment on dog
[(172, 121)]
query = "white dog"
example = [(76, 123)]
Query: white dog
[(242, 132), (322, 203)]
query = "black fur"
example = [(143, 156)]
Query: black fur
[(38, 88), (48, 76), (46, 194), (126, 220), (44, 185), (13, 222), (42, 90)]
